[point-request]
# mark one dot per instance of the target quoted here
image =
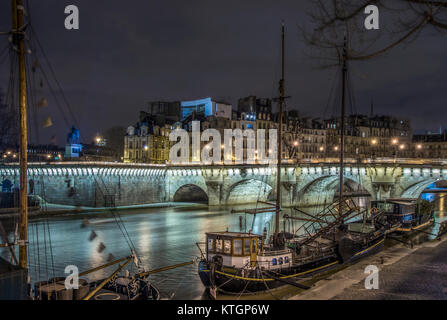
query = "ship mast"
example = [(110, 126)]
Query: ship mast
[(281, 103), (342, 128), (18, 38)]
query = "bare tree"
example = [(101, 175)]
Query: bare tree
[(115, 141), (333, 21)]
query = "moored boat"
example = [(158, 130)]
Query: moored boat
[(410, 215)]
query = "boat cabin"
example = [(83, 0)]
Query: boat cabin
[(236, 248), (239, 249), (408, 212)]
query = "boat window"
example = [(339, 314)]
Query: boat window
[(286, 259), (210, 245), (259, 245), (246, 246), (274, 262), (280, 260), (218, 245), (227, 246), (237, 249)]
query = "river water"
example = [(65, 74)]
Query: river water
[(161, 237)]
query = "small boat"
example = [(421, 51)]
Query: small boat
[(118, 288), (246, 263), (410, 215), (238, 262)]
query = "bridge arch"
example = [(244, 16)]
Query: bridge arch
[(190, 193), (415, 190), (248, 191), (323, 189)]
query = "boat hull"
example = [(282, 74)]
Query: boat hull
[(233, 283), (351, 250)]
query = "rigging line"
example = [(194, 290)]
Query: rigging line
[(33, 90), (121, 226), (4, 54), (53, 93), (265, 282), (32, 120), (331, 92), (351, 90), (46, 227), (35, 36), (54, 77)]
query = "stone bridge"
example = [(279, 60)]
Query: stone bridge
[(104, 184)]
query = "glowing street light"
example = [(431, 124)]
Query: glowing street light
[(419, 146), (321, 148), (146, 148), (395, 141), (336, 148), (402, 146), (374, 141), (295, 143)]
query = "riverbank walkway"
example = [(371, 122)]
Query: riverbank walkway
[(404, 274)]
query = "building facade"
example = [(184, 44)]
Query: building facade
[(147, 141)]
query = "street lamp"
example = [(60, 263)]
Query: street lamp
[(374, 141), (395, 141)]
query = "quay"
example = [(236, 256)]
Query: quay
[(417, 274)]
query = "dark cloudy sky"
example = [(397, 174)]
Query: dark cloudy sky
[(129, 52)]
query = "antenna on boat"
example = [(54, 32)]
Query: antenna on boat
[(342, 126), (281, 103), (18, 38)]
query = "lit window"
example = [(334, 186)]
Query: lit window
[(246, 246), (227, 246), (210, 245), (237, 247), (218, 245)]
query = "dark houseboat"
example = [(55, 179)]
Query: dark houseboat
[(408, 214)]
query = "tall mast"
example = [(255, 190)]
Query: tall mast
[(342, 127), (281, 102), (19, 36)]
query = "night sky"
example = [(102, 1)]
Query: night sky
[(129, 52)]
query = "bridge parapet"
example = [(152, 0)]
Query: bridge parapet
[(84, 183)]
